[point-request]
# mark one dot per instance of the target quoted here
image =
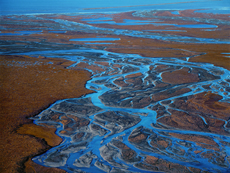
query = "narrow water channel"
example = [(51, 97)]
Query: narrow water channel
[(98, 129)]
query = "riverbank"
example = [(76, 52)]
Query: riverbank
[(161, 91), (28, 86)]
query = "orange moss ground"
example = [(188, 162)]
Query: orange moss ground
[(204, 104), (220, 32), (179, 77), (29, 85), (209, 53)]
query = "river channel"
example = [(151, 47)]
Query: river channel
[(94, 127)]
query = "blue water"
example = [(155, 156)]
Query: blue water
[(175, 12), (99, 43), (220, 10), (150, 22), (96, 142), (77, 55), (140, 34), (57, 32), (197, 26), (74, 6), (226, 54)]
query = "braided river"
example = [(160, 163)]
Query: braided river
[(160, 82)]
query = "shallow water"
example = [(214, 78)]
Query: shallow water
[(147, 117), (122, 124), (9, 7), (139, 34), (150, 22)]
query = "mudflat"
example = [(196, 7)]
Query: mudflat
[(159, 99), (29, 85)]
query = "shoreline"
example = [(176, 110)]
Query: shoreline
[(34, 139), (176, 81)]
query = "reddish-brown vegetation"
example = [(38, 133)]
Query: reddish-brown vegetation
[(28, 85)]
